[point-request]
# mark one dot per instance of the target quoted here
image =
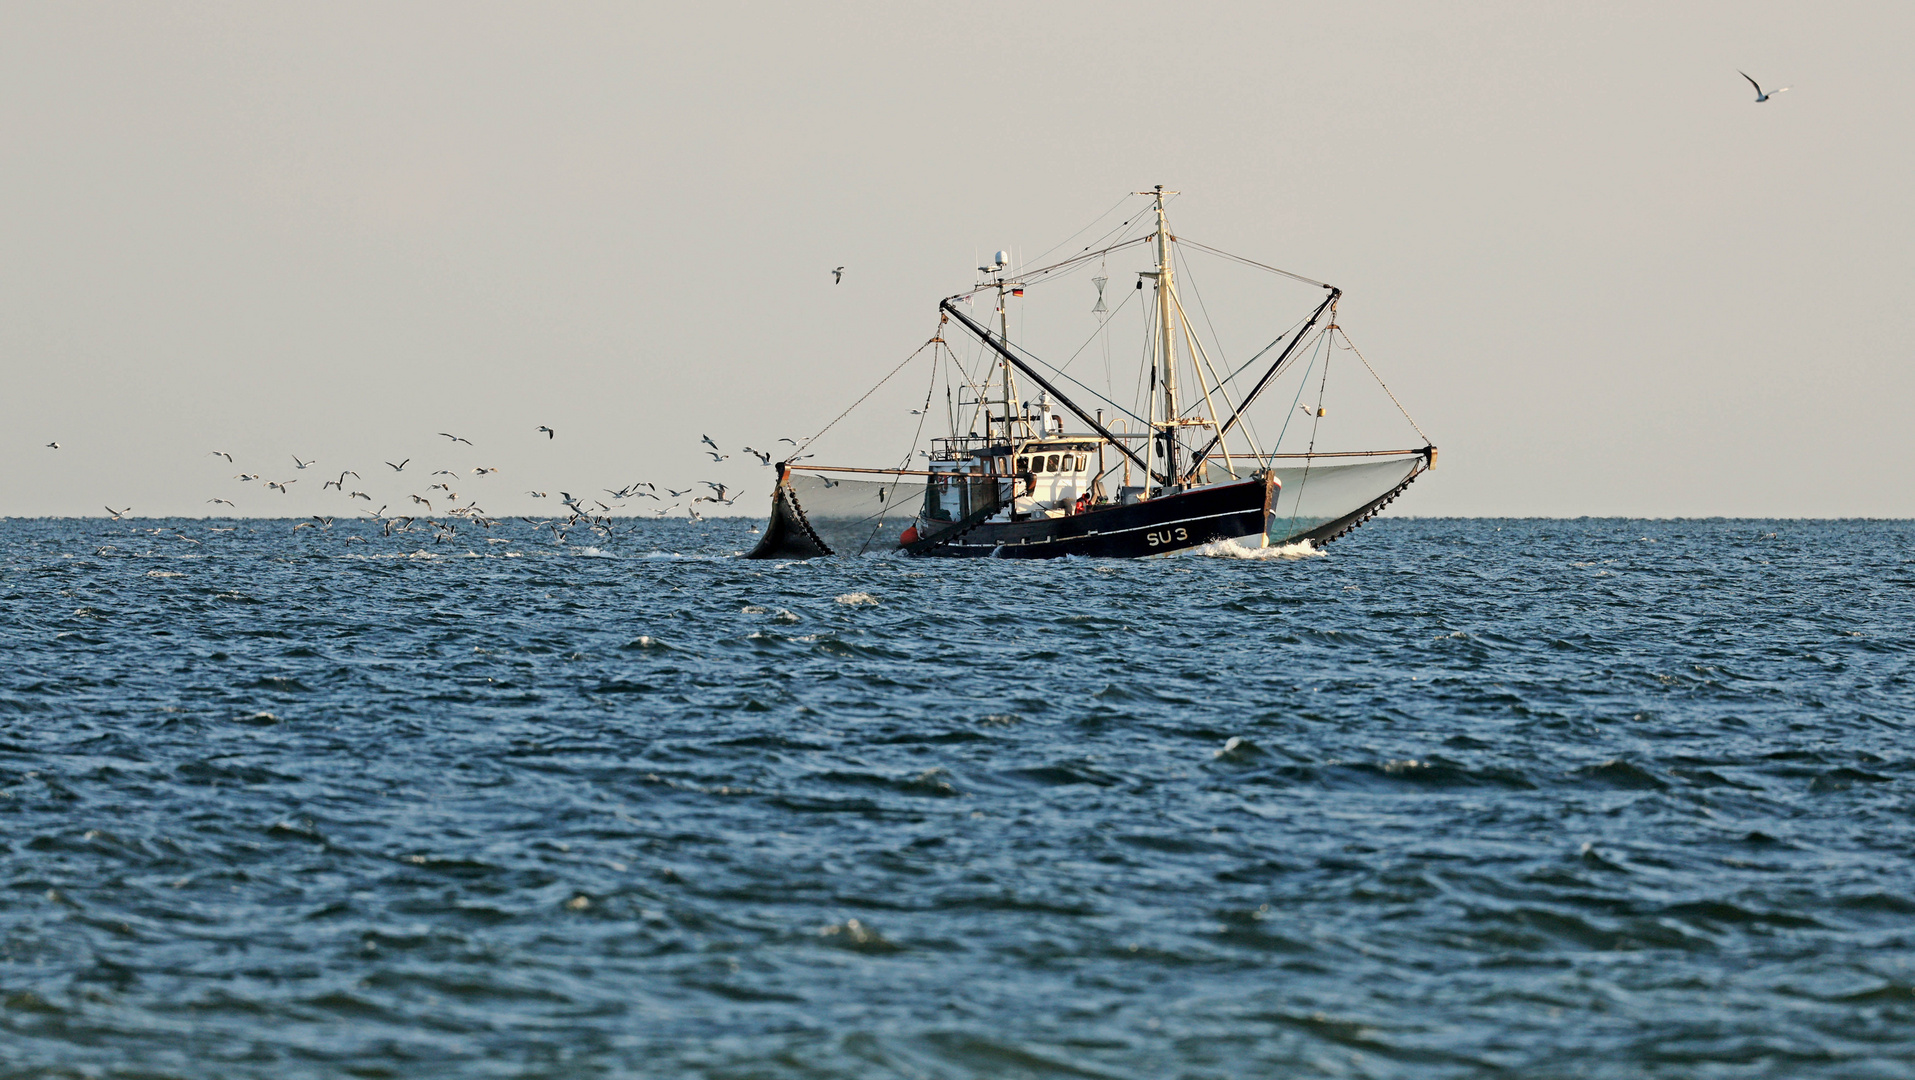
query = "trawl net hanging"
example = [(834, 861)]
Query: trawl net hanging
[(1322, 502), (818, 515)]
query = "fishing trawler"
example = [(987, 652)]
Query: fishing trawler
[(1044, 478)]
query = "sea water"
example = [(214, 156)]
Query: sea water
[(1597, 798)]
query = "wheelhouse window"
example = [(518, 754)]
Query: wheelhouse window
[(1053, 463)]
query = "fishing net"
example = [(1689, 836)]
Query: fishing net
[(1322, 502), (818, 515)]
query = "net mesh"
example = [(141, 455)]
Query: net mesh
[(1322, 495), (1318, 498), (855, 517)]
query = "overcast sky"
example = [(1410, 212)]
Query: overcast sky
[(1601, 277)]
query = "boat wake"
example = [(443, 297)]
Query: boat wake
[(1231, 549)]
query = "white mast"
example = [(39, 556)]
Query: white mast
[(1166, 339), (1000, 263)]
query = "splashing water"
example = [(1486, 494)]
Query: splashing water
[(1232, 549)]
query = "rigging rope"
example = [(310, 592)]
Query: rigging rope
[(1249, 262), (1380, 382), (935, 339), (1072, 261), (1316, 421), (1088, 228), (1296, 402), (1099, 331)]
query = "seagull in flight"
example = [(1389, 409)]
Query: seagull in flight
[(793, 442), (549, 433), (680, 494), (715, 456), (281, 485), (302, 464), (455, 438), (719, 488), (56, 446), (837, 276), (537, 494), (117, 514), (213, 501), (763, 458), (1761, 96), (247, 476), (428, 504), (706, 439), (360, 495), (222, 453), (401, 467)]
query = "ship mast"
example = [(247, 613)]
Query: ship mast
[(1000, 264), (1004, 334), (1166, 336)]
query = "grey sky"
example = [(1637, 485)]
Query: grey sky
[(1600, 276)]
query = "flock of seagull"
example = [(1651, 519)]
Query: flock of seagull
[(443, 512)]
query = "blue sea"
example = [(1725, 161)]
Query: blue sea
[(1452, 798)]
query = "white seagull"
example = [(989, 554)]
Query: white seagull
[(1760, 96), (837, 276)]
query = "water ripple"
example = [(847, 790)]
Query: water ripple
[(1450, 798)]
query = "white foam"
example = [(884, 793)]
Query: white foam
[(854, 599), (1231, 549)]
